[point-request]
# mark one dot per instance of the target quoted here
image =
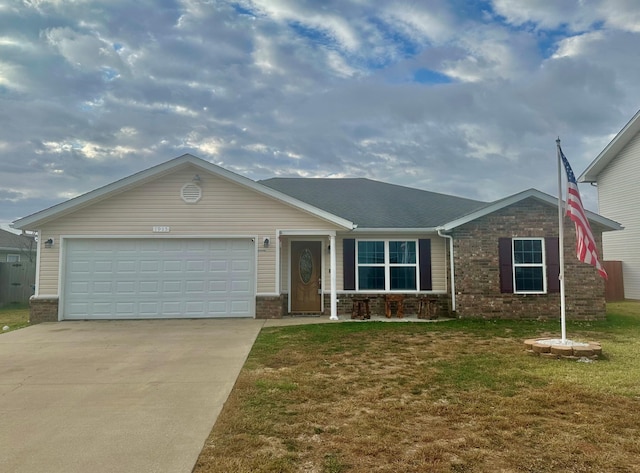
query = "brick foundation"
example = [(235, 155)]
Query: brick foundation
[(477, 270), (43, 309), (271, 307), (377, 304)]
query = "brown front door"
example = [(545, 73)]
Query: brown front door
[(305, 276)]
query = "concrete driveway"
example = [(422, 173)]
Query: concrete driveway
[(130, 396)]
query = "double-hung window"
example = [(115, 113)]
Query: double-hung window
[(529, 274), (387, 265)]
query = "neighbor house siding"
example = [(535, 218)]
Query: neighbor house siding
[(224, 209), (477, 267), (618, 199)]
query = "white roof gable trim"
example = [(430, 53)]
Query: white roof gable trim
[(38, 218), (611, 150), (515, 198)]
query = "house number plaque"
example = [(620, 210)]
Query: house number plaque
[(161, 229)]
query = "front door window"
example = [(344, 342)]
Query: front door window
[(306, 293)]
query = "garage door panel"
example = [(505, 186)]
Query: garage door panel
[(149, 266), (156, 278), (171, 308), (127, 309), (195, 266), (238, 307), (125, 288), (101, 287), (148, 309), (218, 307), (174, 266), (149, 288), (126, 266)]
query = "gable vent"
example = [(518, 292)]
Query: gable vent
[(191, 193)]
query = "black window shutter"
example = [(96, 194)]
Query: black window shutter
[(349, 264), (424, 247), (552, 246), (506, 266)]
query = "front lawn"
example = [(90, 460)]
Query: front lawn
[(458, 396), (13, 317)]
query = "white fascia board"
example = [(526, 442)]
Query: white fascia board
[(529, 193), (611, 150), (395, 230), (76, 203), (306, 232)]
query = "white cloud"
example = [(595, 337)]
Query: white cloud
[(577, 45), (97, 90)]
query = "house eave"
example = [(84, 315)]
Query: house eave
[(611, 150), (394, 230), (608, 224)]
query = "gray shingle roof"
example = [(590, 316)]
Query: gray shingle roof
[(13, 241), (375, 204)]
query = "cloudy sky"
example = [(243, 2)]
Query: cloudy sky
[(464, 97)]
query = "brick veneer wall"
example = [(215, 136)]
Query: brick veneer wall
[(377, 304), (43, 309), (477, 271), (271, 307)]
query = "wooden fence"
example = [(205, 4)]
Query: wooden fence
[(17, 282), (614, 285)]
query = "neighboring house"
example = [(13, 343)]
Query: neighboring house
[(16, 248), (188, 239), (17, 267), (616, 172)]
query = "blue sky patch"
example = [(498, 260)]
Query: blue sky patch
[(427, 76)]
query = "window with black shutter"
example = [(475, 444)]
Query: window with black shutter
[(529, 265)]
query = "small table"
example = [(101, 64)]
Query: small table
[(391, 298), (428, 308), (360, 309)]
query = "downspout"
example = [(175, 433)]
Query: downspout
[(453, 278)]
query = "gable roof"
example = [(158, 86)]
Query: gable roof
[(374, 204), (348, 203), (515, 198), (34, 220), (11, 241), (611, 150)]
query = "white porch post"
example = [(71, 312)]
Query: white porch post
[(334, 294)]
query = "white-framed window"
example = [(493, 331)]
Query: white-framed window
[(387, 265), (529, 270), (11, 258)]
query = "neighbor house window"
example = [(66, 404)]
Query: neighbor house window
[(13, 258), (529, 265), (387, 265)]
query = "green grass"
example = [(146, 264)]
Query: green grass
[(460, 395), (14, 317)]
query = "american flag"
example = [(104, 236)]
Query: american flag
[(586, 249)]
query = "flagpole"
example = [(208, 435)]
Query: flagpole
[(563, 324)]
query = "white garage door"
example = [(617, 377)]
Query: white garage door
[(158, 278)]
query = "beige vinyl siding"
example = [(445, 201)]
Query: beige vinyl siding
[(619, 200), (224, 209)]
